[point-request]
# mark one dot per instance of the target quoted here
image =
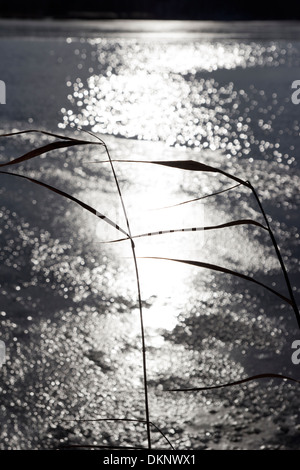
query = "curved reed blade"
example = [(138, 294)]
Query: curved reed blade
[(162, 434), (278, 254), (46, 148), (223, 270), (38, 131), (190, 165), (193, 229), (69, 196), (197, 198), (237, 382)]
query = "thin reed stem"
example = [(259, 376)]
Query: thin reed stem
[(139, 300)]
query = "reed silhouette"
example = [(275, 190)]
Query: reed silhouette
[(183, 165)]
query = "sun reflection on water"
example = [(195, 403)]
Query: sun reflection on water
[(169, 92), (150, 187), (71, 314)]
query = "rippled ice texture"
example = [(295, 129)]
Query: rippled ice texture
[(69, 314)]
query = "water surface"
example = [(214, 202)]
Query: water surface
[(215, 93)]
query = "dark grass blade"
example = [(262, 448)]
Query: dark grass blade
[(70, 197), (46, 148), (193, 229), (238, 382), (198, 198), (38, 131), (190, 165), (224, 270)]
